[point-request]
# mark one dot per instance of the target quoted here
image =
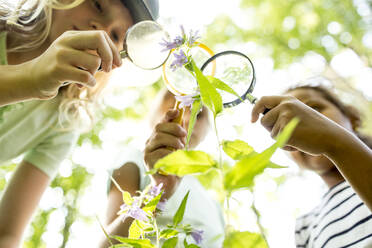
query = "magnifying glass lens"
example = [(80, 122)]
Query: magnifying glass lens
[(143, 45), (180, 81), (235, 70)]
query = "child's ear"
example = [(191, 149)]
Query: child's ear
[(354, 116)]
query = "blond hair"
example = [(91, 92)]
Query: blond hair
[(28, 24)]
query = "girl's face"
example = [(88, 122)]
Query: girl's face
[(318, 102), (108, 15)]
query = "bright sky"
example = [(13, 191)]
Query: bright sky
[(279, 206)]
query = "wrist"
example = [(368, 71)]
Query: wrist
[(339, 143)]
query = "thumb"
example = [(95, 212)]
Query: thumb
[(170, 115)]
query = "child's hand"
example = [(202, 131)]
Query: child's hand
[(167, 137), (68, 60), (315, 134)]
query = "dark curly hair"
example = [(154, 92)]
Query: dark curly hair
[(349, 111)]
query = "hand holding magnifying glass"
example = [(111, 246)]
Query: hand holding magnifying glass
[(142, 46)]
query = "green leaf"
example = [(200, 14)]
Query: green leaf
[(151, 206), (135, 230), (127, 198), (170, 243), (245, 170), (275, 166), (178, 217), (244, 240), (182, 163), (196, 107), (135, 243), (209, 95), (236, 149), (192, 246), (168, 233), (218, 84), (210, 179), (186, 245)]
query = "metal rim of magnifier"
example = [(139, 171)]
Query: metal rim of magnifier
[(253, 81), (124, 53)]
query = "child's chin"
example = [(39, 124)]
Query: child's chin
[(319, 164)]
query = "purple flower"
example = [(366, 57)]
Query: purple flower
[(180, 60), (178, 41), (185, 101), (137, 213), (183, 33), (193, 37), (155, 190), (197, 235), (161, 205), (133, 211), (124, 207), (168, 45)]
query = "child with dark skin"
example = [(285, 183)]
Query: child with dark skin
[(326, 141), (325, 137)]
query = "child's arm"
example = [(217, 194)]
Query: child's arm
[(166, 136), (19, 202), (66, 60), (13, 84), (318, 135), (128, 178)]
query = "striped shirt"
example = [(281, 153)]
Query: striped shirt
[(340, 220)]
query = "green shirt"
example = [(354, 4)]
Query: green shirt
[(32, 128)]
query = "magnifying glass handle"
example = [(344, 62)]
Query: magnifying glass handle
[(265, 111), (254, 100), (179, 118)]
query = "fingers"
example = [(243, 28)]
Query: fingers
[(170, 115), (86, 61), (171, 128), (95, 40), (152, 157), (75, 75), (266, 102), (115, 52), (270, 118), (161, 140)]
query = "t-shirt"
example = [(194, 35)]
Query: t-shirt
[(32, 128), (340, 220), (202, 212)]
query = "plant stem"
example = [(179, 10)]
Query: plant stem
[(228, 220), (219, 144), (258, 217), (157, 233)]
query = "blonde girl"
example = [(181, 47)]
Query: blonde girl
[(43, 45)]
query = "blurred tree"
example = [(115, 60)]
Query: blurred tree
[(287, 30)]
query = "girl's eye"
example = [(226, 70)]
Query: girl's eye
[(98, 6), (316, 107)]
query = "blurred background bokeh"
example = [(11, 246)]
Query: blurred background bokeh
[(289, 41)]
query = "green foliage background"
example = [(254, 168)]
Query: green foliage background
[(311, 18)]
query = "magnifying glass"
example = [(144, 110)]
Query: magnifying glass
[(180, 82), (142, 45), (237, 71)]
